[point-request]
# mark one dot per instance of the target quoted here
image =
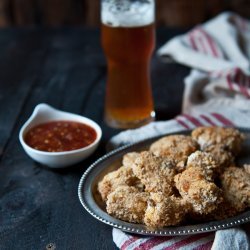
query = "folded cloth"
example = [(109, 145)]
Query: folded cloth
[(219, 51), (217, 93), (222, 43)]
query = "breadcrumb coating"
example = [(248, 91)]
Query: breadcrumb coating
[(165, 211), (128, 204), (155, 172), (128, 159), (175, 147), (204, 196), (236, 186), (222, 157), (205, 161), (122, 176), (229, 139)]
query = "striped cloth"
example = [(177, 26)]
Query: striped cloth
[(127, 242), (180, 123), (217, 93), (222, 43)]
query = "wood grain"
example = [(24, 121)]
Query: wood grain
[(66, 69)]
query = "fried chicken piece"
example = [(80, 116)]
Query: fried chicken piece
[(175, 147), (222, 157), (236, 186), (223, 211), (204, 161), (128, 204), (122, 176), (204, 196), (155, 172), (165, 211), (229, 139), (129, 159)]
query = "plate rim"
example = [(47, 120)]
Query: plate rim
[(140, 228)]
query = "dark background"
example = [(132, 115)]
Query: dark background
[(174, 13)]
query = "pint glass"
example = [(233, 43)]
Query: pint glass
[(128, 40)]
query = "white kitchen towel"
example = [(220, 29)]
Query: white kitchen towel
[(222, 43), (217, 93), (219, 52)]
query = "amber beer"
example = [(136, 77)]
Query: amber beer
[(128, 93)]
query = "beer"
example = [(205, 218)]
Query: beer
[(128, 45)]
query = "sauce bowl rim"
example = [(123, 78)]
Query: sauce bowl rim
[(35, 113)]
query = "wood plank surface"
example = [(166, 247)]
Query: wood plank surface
[(21, 55), (66, 69)]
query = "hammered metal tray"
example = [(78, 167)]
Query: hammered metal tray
[(91, 200)]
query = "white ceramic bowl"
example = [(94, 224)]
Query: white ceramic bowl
[(44, 113)]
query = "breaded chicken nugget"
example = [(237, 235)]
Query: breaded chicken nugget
[(122, 176), (165, 211), (236, 186), (129, 159), (229, 139), (128, 204), (204, 196), (222, 157), (223, 211), (175, 147), (204, 161), (155, 172)]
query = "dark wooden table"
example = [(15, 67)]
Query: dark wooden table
[(66, 69)]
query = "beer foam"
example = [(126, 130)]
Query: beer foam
[(127, 13)]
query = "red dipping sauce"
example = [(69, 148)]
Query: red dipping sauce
[(58, 136)]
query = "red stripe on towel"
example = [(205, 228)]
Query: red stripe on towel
[(243, 87), (230, 84), (128, 242), (240, 79), (203, 45), (182, 123), (206, 246), (192, 41), (198, 41), (203, 42), (222, 119), (210, 42), (187, 241), (152, 242), (195, 121), (208, 120)]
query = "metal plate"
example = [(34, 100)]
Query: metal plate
[(91, 200)]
